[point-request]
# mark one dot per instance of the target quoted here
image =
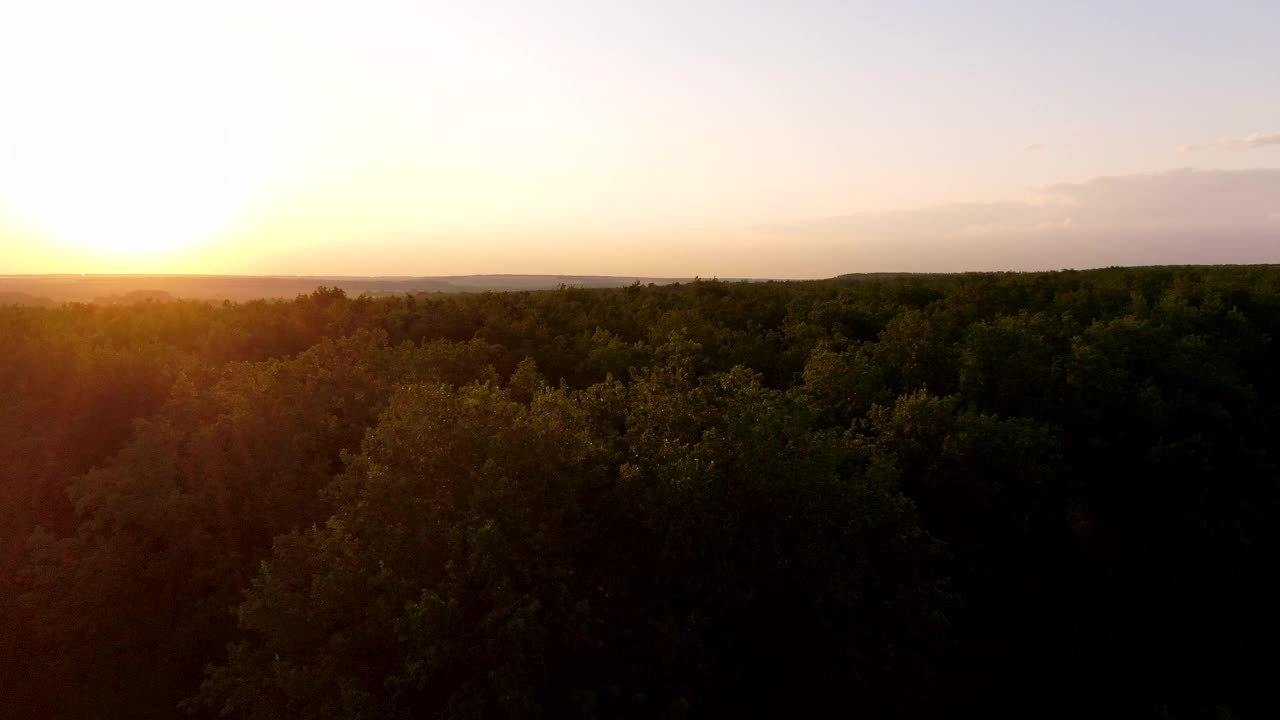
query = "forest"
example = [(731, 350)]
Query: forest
[(996, 495)]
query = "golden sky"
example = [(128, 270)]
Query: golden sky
[(731, 139)]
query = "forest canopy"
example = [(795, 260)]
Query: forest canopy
[(1001, 494)]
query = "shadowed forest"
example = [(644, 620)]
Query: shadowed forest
[(1041, 495)]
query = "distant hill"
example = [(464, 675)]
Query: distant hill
[(134, 297), (21, 298), (878, 275), (114, 289)]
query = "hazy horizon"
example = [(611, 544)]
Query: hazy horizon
[(716, 139)]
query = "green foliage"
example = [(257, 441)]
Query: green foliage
[(894, 497)]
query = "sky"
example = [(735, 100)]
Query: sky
[(786, 139)]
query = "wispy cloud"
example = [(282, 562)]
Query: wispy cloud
[(1172, 217), (1255, 140), (1032, 147)]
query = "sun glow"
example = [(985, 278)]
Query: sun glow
[(129, 142)]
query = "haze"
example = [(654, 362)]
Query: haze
[(739, 139)]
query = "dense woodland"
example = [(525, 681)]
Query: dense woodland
[(984, 495)]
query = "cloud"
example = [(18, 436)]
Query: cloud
[(1255, 140), (1172, 217), (1033, 147)]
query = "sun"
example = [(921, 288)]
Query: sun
[(130, 141)]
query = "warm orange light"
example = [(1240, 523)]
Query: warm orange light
[(128, 144)]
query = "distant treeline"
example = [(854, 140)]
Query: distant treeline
[(109, 289), (979, 495), (21, 298)]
